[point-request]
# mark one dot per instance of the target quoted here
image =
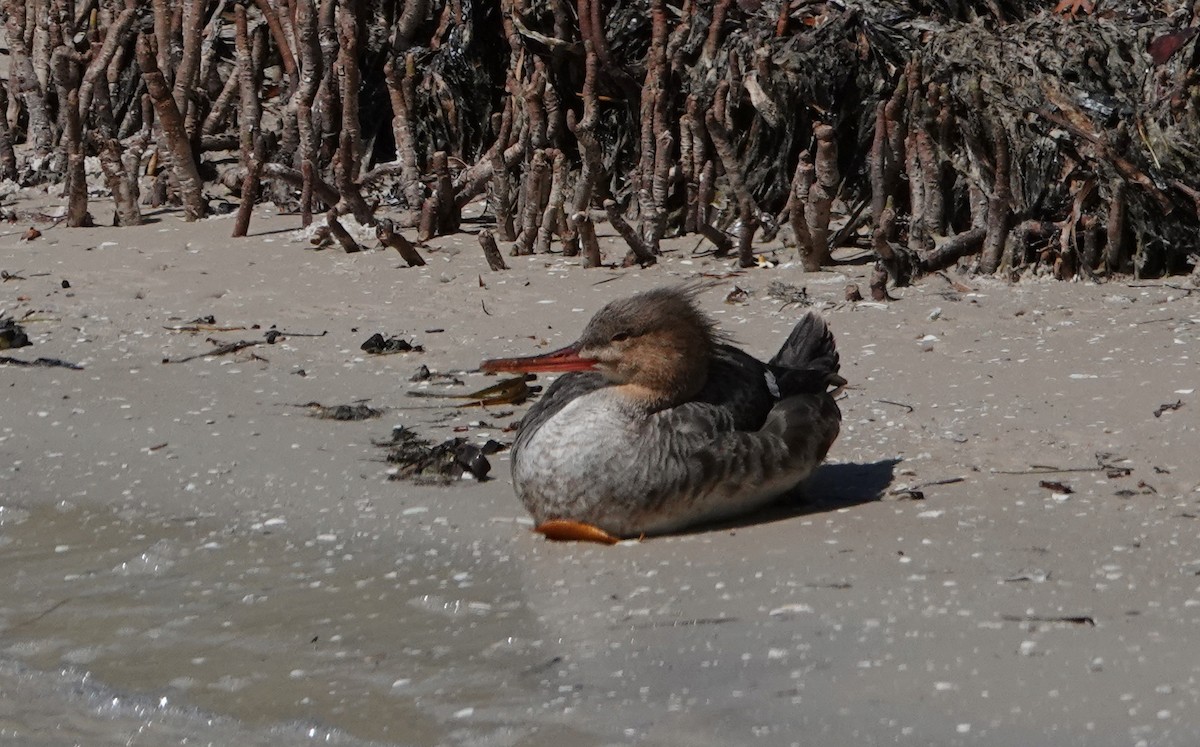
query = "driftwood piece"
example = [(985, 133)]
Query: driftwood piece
[(339, 232), (385, 231), (491, 252), (640, 254), (723, 245), (948, 251), (320, 188), (226, 349)]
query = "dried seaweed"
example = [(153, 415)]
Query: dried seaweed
[(352, 412), (12, 335), (40, 363), (224, 349), (509, 391), (789, 293), (377, 344), (422, 461)]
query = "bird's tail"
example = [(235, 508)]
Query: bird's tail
[(809, 356)]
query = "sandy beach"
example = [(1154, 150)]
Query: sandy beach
[(1004, 548)]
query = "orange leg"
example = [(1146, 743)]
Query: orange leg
[(565, 530)]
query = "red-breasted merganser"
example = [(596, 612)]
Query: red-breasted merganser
[(660, 424)]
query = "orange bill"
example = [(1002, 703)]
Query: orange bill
[(563, 359)]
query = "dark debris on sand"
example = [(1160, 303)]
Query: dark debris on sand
[(422, 461), (789, 293), (376, 344), (356, 411), (12, 335)]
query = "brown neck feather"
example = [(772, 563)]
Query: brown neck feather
[(667, 369)]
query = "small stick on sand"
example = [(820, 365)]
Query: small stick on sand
[(232, 347)]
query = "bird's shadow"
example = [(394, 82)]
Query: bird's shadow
[(831, 487)]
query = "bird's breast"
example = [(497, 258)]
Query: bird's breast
[(584, 436), (587, 452)]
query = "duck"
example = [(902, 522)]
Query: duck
[(658, 423)]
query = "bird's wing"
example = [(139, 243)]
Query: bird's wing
[(721, 470), (706, 444), (741, 385)]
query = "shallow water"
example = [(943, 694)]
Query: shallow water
[(321, 639), (47, 709)]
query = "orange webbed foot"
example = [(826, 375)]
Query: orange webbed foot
[(565, 530)]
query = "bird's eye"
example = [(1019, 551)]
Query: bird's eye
[(620, 337)]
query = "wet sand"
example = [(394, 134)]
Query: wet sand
[(193, 559)]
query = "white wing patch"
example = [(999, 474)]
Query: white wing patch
[(772, 385)]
